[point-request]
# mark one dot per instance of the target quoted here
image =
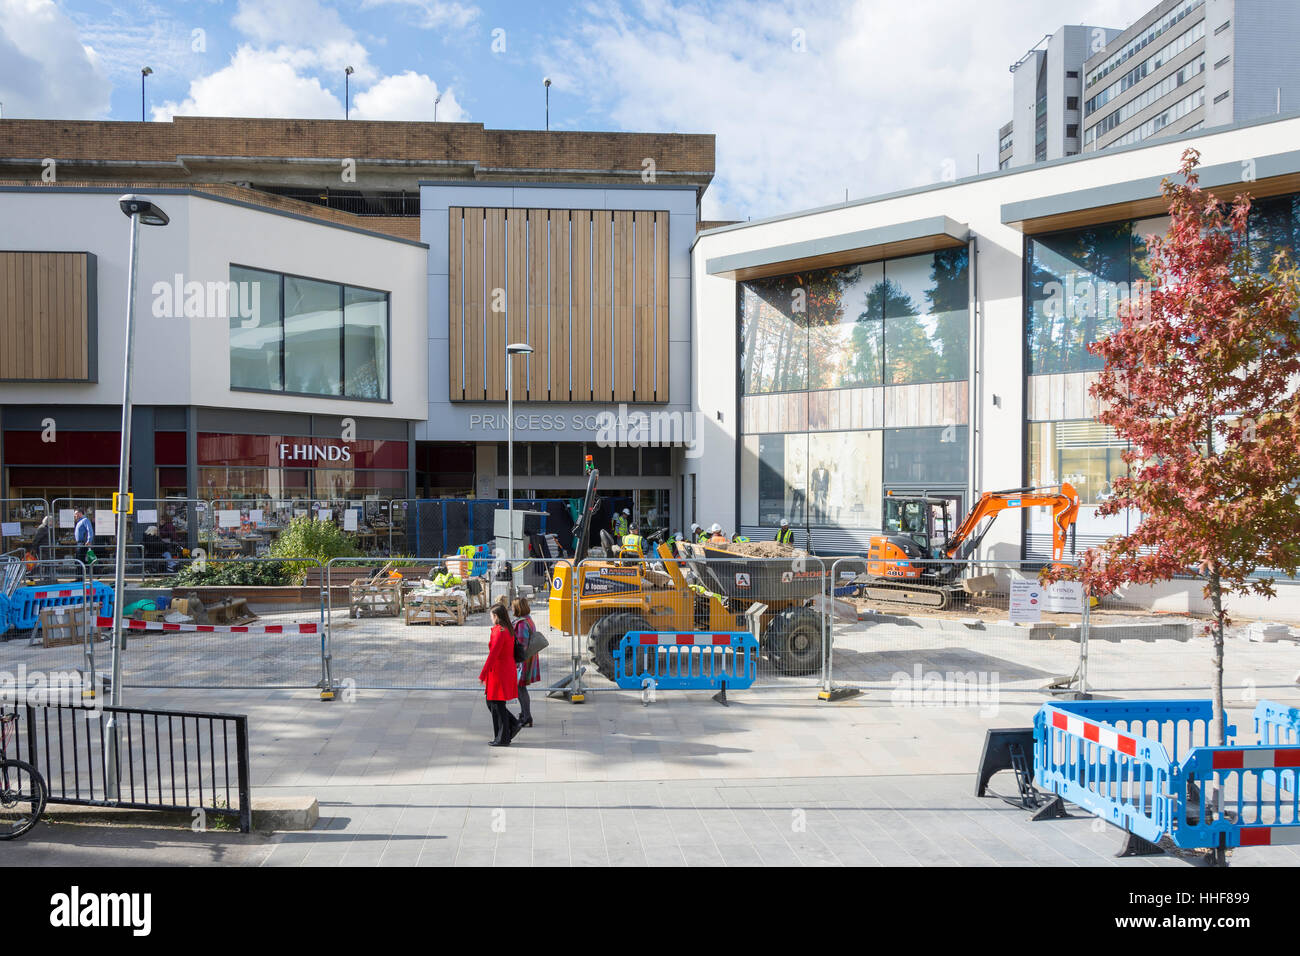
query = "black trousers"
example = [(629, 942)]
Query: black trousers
[(504, 724)]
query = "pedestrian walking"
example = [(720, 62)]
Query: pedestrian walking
[(530, 670), (83, 534), (500, 679)]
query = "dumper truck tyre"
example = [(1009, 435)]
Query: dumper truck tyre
[(605, 636), (793, 641)]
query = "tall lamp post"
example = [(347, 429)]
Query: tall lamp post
[(138, 210), (436, 100), (143, 73), (518, 348), (347, 96), (546, 82)]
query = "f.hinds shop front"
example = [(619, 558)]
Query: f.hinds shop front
[(299, 466), (71, 452)]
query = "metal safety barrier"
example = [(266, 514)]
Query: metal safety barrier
[(705, 661), (167, 760), (1138, 765)]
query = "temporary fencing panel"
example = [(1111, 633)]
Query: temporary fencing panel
[(998, 630), (69, 647), (441, 526), (407, 632), (19, 519)]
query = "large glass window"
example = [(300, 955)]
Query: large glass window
[(307, 336), (824, 480), (255, 333), (898, 322), (925, 456), (1084, 453), (313, 322)]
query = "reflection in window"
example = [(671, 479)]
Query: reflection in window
[(365, 343), (255, 333), (1084, 453), (925, 456), (896, 322), (313, 322)]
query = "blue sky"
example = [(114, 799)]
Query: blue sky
[(807, 98)]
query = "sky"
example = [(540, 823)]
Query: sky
[(811, 100)]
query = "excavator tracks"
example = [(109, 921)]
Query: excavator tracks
[(939, 597)]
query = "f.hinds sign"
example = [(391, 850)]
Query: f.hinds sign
[(290, 452)]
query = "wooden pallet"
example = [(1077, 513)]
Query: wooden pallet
[(381, 598), (61, 626), (428, 609)]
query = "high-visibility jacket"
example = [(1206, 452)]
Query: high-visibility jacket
[(739, 538), (785, 536), (634, 542), (719, 538), (620, 525), (701, 536)]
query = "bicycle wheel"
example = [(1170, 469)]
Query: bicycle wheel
[(22, 798)]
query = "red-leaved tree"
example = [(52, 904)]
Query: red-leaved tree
[(1200, 379)]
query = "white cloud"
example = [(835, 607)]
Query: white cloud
[(292, 64), (433, 14), (45, 70), (882, 96), (406, 96), (256, 83)]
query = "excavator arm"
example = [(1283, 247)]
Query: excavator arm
[(1064, 504)]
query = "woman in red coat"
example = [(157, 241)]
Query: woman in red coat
[(500, 678)]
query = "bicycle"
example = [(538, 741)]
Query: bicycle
[(20, 806)]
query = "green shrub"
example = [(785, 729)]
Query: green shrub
[(307, 538), (235, 574)]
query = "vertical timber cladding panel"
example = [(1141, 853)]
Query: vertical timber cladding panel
[(580, 361), (662, 348), (644, 306), (602, 276), (539, 313), (475, 305), (455, 304), (560, 349), (44, 316), (626, 339), (494, 289), (517, 265)]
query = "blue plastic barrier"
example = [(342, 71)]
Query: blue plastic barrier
[(27, 602), (674, 661), (1141, 766)]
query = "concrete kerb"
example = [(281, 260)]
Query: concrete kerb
[(269, 814)]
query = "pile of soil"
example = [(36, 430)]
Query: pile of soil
[(761, 549)]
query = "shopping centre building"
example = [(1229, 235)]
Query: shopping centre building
[(299, 338)]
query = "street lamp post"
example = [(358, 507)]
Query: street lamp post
[(347, 96), (143, 73), (518, 348), (436, 100), (546, 82), (138, 210)]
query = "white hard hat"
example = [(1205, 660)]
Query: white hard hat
[(784, 523), (626, 512), (694, 526), (715, 527)]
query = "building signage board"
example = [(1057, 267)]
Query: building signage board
[(1065, 597)]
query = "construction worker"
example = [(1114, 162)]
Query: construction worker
[(696, 533), (784, 534), (622, 524), (738, 537), (633, 544), (715, 534)]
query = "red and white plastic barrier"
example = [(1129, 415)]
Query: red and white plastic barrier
[(136, 625), (707, 640)]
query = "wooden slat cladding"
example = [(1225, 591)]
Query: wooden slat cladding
[(588, 289), (47, 317)]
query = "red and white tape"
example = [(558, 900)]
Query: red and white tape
[(707, 640), (135, 625), (1105, 736)]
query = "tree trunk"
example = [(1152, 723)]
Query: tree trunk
[(1219, 735)]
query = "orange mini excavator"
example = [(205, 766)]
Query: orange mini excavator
[(919, 561)]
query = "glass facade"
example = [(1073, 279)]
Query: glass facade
[(307, 337), (820, 349)]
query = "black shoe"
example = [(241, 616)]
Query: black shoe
[(499, 743), (526, 723)]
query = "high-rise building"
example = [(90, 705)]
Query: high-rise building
[(1047, 96)]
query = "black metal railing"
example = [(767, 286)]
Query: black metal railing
[(170, 760)]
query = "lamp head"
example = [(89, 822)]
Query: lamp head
[(519, 348), (149, 213), (147, 71), (349, 71), (546, 81)]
